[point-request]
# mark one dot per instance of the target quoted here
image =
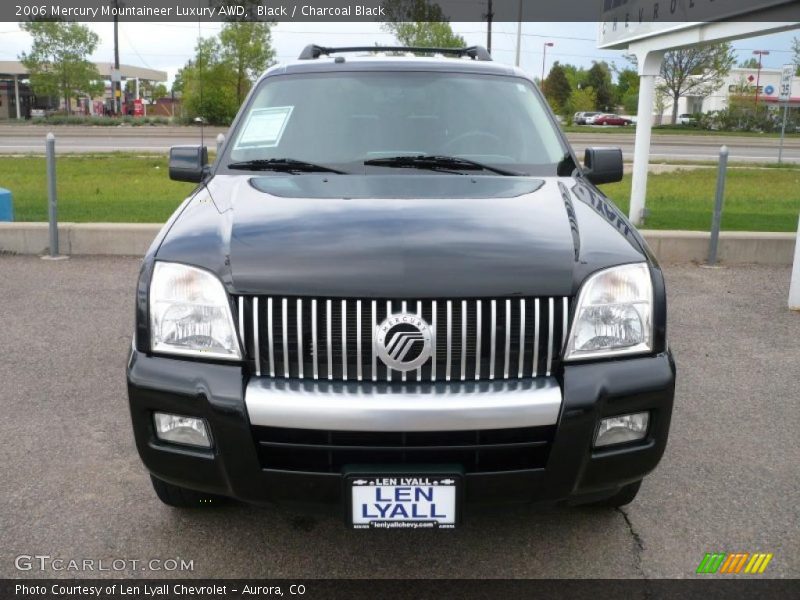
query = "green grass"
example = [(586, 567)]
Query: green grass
[(676, 130), (94, 188), (137, 189), (755, 199)]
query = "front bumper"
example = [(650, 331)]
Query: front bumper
[(235, 405)]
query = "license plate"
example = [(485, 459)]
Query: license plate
[(404, 501)]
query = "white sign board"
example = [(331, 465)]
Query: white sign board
[(786, 83), (624, 21)]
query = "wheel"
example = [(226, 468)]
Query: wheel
[(173, 495), (624, 496)]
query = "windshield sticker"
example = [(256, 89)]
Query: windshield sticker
[(264, 127)]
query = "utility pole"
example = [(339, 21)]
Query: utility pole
[(519, 34), (489, 17), (760, 53), (545, 46), (116, 80)]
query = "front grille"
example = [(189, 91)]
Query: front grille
[(473, 339), (484, 451)]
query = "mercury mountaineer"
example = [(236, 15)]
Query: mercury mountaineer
[(398, 293)]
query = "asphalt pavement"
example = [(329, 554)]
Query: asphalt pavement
[(73, 487), (17, 139)]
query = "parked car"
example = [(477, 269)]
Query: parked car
[(401, 302), (609, 119), (581, 118), (686, 119)]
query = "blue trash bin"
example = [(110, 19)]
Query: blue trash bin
[(6, 205)]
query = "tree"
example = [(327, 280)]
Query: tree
[(420, 23), (576, 76), (57, 61), (627, 83), (660, 103), (796, 50), (599, 79), (247, 48), (159, 91), (556, 88), (208, 85), (626, 92), (581, 100), (750, 63), (696, 71)]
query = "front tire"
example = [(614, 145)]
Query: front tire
[(179, 497)]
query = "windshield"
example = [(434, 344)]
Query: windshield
[(343, 120)]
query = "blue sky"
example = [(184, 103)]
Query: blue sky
[(167, 46)]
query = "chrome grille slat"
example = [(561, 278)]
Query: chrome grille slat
[(285, 338), (241, 322), (256, 343), (521, 338), (448, 364), (374, 353), (549, 337), (434, 340), (419, 314), (300, 338), (478, 326), (328, 336), (344, 340), (270, 329), (463, 340), (388, 312), (314, 342), (403, 309), (493, 344), (536, 338), (507, 358), (359, 373), (481, 338)]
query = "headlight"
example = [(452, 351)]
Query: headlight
[(613, 315), (190, 314)]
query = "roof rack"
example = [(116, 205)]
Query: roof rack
[(312, 51)]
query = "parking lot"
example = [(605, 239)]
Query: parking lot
[(73, 486)]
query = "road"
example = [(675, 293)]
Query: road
[(73, 486), (15, 139)]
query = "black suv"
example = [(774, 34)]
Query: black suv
[(397, 292)]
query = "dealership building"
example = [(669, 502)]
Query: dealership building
[(17, 100)]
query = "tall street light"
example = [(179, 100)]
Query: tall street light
[(760, 53), (544, 57), (519, 34)]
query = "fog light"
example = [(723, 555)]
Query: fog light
[(181, 430), (622, 429)]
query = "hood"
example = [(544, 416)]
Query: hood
[(397, 236)]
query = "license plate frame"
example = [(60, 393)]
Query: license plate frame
[(428, 481)]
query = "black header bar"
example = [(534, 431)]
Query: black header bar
[(661, 11)]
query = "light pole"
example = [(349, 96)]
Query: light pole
[(489, 19), (760, 53), (544, 56), (519, 34)]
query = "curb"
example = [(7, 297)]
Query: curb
[(133, 239), (113, 239)]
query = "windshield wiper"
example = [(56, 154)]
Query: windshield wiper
[(434, 162), (287, 165)]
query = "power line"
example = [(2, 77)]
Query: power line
[(135, 51)]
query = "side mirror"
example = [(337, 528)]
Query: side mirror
[(188, 163), (603, 165)]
